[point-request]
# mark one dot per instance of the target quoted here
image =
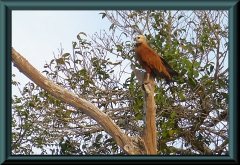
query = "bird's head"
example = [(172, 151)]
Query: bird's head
[(140, 39)]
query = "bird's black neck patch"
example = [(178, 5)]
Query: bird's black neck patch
[(138, 44)]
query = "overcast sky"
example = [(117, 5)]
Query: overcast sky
[(37, 34)]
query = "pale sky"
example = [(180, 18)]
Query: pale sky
[(37, 34)]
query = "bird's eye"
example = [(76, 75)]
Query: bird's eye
[(138, 37)]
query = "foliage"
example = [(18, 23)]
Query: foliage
[(192, 114)]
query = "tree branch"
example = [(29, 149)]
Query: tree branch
[(81, 104), (149, 107)]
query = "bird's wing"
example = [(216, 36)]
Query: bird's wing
[(150, 58), (154, 61), (168, 67)]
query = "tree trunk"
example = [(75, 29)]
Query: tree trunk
[(149, 131), (149, 107)]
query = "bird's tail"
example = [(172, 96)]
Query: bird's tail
[(172, 72)]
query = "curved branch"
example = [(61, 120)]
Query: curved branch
[(81, 104)]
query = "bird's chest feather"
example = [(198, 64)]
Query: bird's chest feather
[(142, 50)]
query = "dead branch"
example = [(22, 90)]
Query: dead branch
[(124, 141), (149, 107)]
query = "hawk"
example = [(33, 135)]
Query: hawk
[(152, 62)]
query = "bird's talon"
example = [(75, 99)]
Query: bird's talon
[(145, 83)]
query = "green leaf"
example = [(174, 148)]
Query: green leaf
[(170, 132), (208, 82), (101, 72), (58, 113), (188, 64), (221, 83), (192, 22), (211, 68), (164, 134), (68, 113), (111, 27), (83, 33), (201, 49), (105, 76), (173, 114), (98, 138), (61, 140), (225, 95), (31, 104), (190, 73), (63, 147), (192, 83), (196, 64), (119, 48), (115, 63), (195, 73), (139, 117), (179, 17), (79, 38), (184, 59), (181, 96), (136, 108), (60, 61), (183, 71), (103, 15), (200, 137), (184, 30), (74, 45), (65, 54)]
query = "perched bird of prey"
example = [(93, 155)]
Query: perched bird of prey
[(152, 62)]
